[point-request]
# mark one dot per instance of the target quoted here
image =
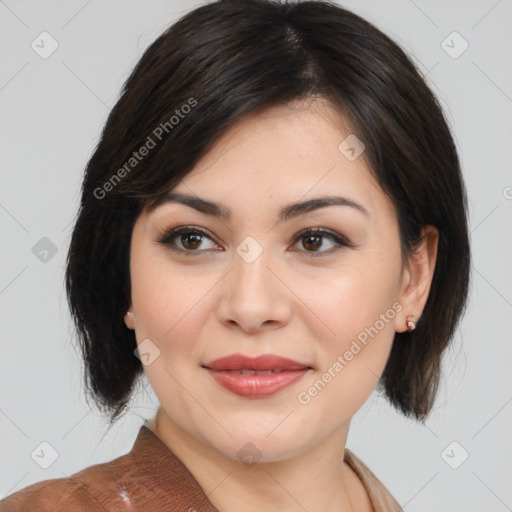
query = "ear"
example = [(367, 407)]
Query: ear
[(129, 318), (417, 278)]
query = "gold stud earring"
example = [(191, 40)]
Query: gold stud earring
[(410, 324)]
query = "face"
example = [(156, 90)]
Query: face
[(256, 284)]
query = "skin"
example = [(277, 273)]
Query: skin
[(203, 306)]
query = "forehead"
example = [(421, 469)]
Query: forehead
[(283, 154)]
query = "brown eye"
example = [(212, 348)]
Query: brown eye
[(188, 240), (191, 240), (313, 240), (185, 239)]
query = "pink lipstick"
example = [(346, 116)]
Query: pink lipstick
[(256, 377)]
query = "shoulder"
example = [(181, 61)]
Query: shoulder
[(96, 488), (380, 498), (149, 477), (58, 495)]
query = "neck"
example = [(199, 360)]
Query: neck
[(317, 479)]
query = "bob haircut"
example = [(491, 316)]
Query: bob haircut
[(216, 65)]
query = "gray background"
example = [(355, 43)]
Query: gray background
[(52, 112)]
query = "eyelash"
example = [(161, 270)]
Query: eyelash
[(168, 236)]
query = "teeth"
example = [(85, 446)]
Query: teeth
[(255, 372)]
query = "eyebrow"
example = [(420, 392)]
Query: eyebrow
[(288, 212)]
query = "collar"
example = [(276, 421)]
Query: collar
[(167, 480), (157, 479)]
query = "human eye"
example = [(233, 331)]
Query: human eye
[(314, 239), (190, 238)]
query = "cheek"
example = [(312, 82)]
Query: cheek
[(355, 297), (172, 306), (164, 298), (357, 309), (167, 304)]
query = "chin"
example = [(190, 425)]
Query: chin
[(257, 451), (252, 444)]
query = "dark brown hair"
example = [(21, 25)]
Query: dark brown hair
[(216, 65)]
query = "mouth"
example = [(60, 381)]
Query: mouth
[(246, 371), (256, 377)]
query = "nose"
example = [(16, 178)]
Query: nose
[(254, 296)]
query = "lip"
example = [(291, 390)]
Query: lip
[(263, 362), (227, 372)]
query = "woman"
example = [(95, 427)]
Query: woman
[(272, 224)]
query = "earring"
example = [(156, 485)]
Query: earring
[(129, 313), (410, 324)]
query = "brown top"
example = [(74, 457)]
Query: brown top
[(150, 478)]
